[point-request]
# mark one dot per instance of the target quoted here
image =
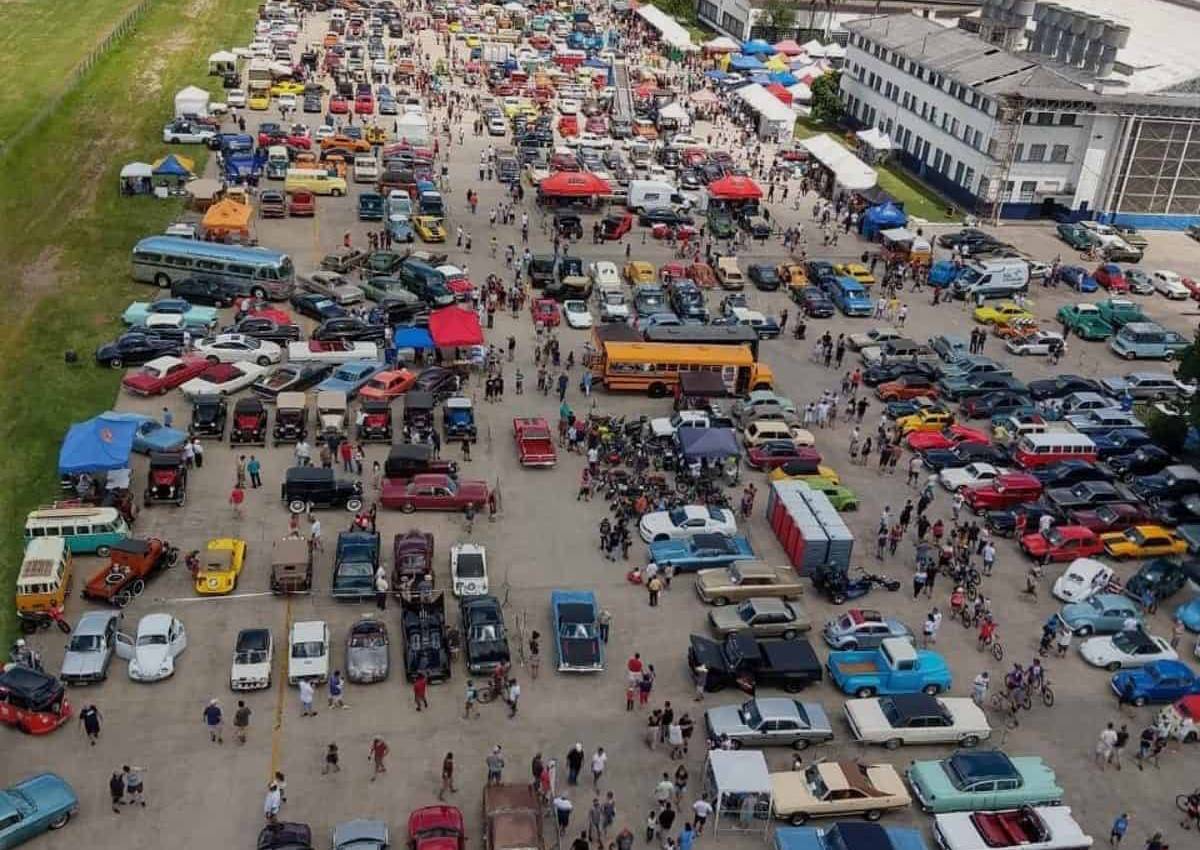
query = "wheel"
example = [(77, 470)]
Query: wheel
[(865, 693), (1181, 802), (102, 551), (264, 361), (720, 602), (1169, 356), (849, 646), (354, 505), (658, 390), (793, 687), (60, 821), (1048, 697), (172, 556), (259, 293), (122, 599), (1129, 355), (932, 690), (970, 741), (735, 744), (137, 587), (997, 651), (838, 598), (789, 634), (659, 538), (162, 281), (798, 818), (893, 743), (1083, 631), (296, 506), (64, 626), (800, 744), (408, 507), (1027, 701), (1113, 666), (873, 814), (115, 363), (966, 618), (972, 592), (892, 586)]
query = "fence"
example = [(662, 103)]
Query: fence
[(121, 29)]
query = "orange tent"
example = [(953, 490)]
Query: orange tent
[(227, 217)]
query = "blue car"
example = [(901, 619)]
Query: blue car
[(700, 552), (1159, 681), (1078, 279), (1189, 613), (27, 809), (851, 297), (849, 835), (1122, 441), (194, 317), (576, 620), (400, 228), (316, 306), (152, 435), (351, 377)]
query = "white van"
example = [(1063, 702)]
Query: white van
[(644, 195), (1000, 278)]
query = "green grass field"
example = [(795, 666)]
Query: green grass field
[(68, 233)]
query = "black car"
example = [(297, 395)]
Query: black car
[(1146, 460), (310, 485), (205, 291), (967, 236), (291, 377), (438, 380), (355, 560), (1172, 512), (285, 835), (316, 306), (541, 270), (568, 225), (266, 329), (1162, 577), (1173, 482), (1086, 494), (1004, 523), (312, 104), (423, 622), (993, 404), (350, 329), (743, 661), (482, 624), (1068, 473), (209, 413), (817, 269), (135, 348), (963, 454), (764, 277), (884, 372), (663, 215), (1062, 386), (813, 302)]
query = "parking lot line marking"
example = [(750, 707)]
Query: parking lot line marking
[(280, 694), (177, 599)]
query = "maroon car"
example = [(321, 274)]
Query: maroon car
[(1115, 517), (436, 828), (412, 557), (433, 493), (163, 374), (775, 453), (1006, 491)]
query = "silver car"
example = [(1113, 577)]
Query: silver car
[(360, 835), (91, 648), (334, 286), (859, 628), (367, 653), (769, 721)]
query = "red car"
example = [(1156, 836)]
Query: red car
[(1115, 517), (433, 493), (680, 231), (775, 453), (1111, 277), (436, 828), (672, 271), (388, 385), (947, 438), (596, 125), (1192, 287), (412, 557), (302, 202), (164, 373), (906, 387), (703, 275), (1062, 543), (545, 310), (564, 162), (32, 701), (616, 226), (535, 443), (338, 105), (364, 104), (568, 125), (460, 285), (1005, 491)]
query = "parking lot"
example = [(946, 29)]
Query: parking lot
[(544, 539)]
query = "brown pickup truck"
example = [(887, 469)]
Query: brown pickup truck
[(512, 818)]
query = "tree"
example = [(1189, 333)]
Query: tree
[(826, 104), (1189, 372), (780, 16)]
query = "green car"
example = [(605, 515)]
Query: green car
[(982, 780), (1119, 312), (1079, 238), (720, 225), (842, 498), (1085, 321)]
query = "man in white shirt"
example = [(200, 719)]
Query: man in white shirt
[(701, 810), (599, 763)]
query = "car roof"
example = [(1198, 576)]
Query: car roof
[(982, 764), (308, 630), (157, 622), (915, 705)]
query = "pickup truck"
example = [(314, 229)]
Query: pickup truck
[(512, 818), (1120, 312), (535, 445), (746, 662), (895, 667)]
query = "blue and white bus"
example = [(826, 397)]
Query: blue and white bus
[(260, 272)]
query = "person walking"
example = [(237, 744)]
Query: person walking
[(381, 591), (562, 811), (213, 721), (241, 721), (701, 811), (116, 790), (574, 763), (447, 777), (609, 810), (513, 697), (331, 760), (495, 765), (236, 497), (1119, 828), (306, 698), (654, 588), (271, 803), (595, 823), (1105, 744), (666, 820), (378, 752), (420, 685), (135, 784), (687, 838), (254, 470), (314, 535), (535, 656), (599, 764), (90, 719)]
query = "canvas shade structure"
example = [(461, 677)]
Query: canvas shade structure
[(204, 190), (675, 112), (757, 47), (788, 47), (734, 187), (774, 118), (705, 97), (100, 444), (742, 62), (722, 44), (452, 327), (784, 78), (173, 165), (707, 443), (848, 171), (415, 338), (574, 184), (814, 48), (135, 178), (800, 93), (221, 62), (780, 92), (191, 101), (885, 216), (776, 63), (668, 28), (227, 216), (875, 139), (733, 779), (716, 75)]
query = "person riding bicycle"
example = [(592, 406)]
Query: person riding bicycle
[(1192, 815), (957, 600), (1035, 675), (983, 608), (987, 630), (1014, 683), (1049, 630)]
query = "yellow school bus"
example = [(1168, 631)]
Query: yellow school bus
[(654, 367)]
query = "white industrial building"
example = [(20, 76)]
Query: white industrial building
[(1088, 108), (747, 19)]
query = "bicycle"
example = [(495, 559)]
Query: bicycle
[(1046, 693), (994, 644)]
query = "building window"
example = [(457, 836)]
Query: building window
[(1045, 118), (1020, 153), (1058, 153), (933, 114), (1028, 187), (1066, 120), (947, 164), (969, 178), (958, 173), (1037, 153), (954, 127)]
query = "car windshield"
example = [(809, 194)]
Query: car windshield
[(1128, 642), (308, 649), (1054, 537), (85, 643), (470, 565), (750, 714), (746, 612), (812, 778)]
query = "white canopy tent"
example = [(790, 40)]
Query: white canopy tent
[(222, 61), (722, 44), (835, 51), (775, 119), (875, 139), (813, 48), (800, 93), (137, 169), (738, 785), (191, 101), (412, 128), (848, 171), (675, 112), (668, 28)]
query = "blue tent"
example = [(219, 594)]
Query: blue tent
[(714, 74), (882, 217), (171, 167), (418, 338), (745, 63), (757, 47), (99, 444), (783, 78), (710, 443)]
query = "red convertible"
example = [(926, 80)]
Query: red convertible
[(535, 444), (1114, 517), (338, 105), (947, 438), (1005, 491), (1062, 543), (433, 493), (364, 104), (545, 310), (248, 307), (164, 373)]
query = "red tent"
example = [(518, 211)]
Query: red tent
[(780, 92), (451, 327), (574, 184), (735, 188), (788, 48)]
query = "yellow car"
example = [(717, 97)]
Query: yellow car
[(857, 271), (824, 473), (454, 26), (259, 100), (473, 41), (220, 566), (1005, 311), (376, 136), (430, 228), (639, 271), (793, 275), (287, 87), (1143, 541), (930, 419)]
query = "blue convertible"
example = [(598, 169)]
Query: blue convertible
[(32, 806), (1159, 681), (576, 616), (351, 377), (700, 552)]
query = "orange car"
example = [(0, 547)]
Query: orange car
[(331, 38), (703, 274), (1021, 326), (346, 142), (388, 385), (906, 387)]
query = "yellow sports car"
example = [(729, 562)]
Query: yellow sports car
[(1005, 311), (930, 419), (1143, 541), (837, 789), (793, 275), (824, 473), (430, 228), (287, 87), (220, 566), (857, 271), (639, 271), (473, 41), (259, 100)]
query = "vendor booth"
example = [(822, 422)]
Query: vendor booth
[(874, 145), (738, 785), (881, 217), (774, 120), (136, 179), (837, 169), (171, 173), (191, 101), (571, 186), (222, 62), (412, 128), (454, 327), (100, 444), (674, 116), (227, 220), (901, 245), (721, 44), (707, 444), (670, 31)]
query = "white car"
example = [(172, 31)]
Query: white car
[(286, 101), (1029, 828), (239, 348), (166, 322), (613, 306), (590, 140), (236, 97), (969, 475), (1038, 342), (577, 314), (366, 169), (331, 351), (568, 106), (468, 569), (875, 336), (497, 127), (323, 132), (916, 719), (224, 379), (152, 652), (663, 426), (308, 651), (685, 522), (1133, 648), (253, 656), (183, 132), (605, 273), (1169, 284), (333, 286), (1083, 579)]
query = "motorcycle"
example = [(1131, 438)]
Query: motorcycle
[(25, 656), (839, 587), (32, 621)]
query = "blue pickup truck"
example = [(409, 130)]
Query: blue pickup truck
[(894, 667)]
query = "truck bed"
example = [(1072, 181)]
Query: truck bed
[(854, 668)]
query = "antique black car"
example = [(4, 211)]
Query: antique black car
[(424, 623), (167, 479), (249, 423), (405, 460), (483, 630), (309, 485), (418, 413), (291, 418), (208, 416), (374, 421)]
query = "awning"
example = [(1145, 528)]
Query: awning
[(452, 327), (97, 445), (848, 170), (734, 187), (768, 106), (800, 93), (784, 78), (417, 338), (744, 63), (137, 169), (875, 139), (705, 96), (675, 112), (707, 443), (740, 771), (574, 184), (788, 47), (226, 215), (668, 28), (781, 93), (835, 51), (721, 44), (716, 75), (222, 56), (173, 166), (757, 47), (814, 48)]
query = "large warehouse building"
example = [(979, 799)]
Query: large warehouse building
[(1084, 108)]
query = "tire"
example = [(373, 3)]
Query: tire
[(873, 814), (354, 505), (102, 551), (1181, 802), (60, 821), (865, 693), (1048, 697), (798, 818), (969, 741), (337, 193), (1129, 355), (932, 690), (162, 281), (838, 598), (789, 634), (408, 508), (893, 743), (800, 744), (64, 626), (659, 538), (137, 587), (737, 745), (1113, 666), (720, 602), (997, 651), (793, 687), (297, 506), (213, 359), (264, 361), (122, 599), (115, 363), (849, 646), (259, 293), (1169, 356), (658, 390)]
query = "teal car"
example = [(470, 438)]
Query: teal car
[(1119, 312), (194, 316), (1085, 321), (982, 780), (42, 802), (1079, 238)]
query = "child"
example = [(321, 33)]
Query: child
[(630, 692)]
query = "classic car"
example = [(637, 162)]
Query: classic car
[(151, 654), (356, 558), (237, 348), (1037, 343), (316, 306), (769, 721), (349, 378), (907, 387), (429, 228), (1143, 541), (813, 302), (744, 661), (1061, 543), (137, 347), (1164, 680), (775, 453), (44, 801), (484, 634), (433, 492), (437, 380), (763, 616), (308, 651), (1126, 649), (638, 271), (151, 435), (604, 273), (1169, 284), (253, 660), (468, 569), (265, 328), (220, 565), (91, 647), (438, 827), (947, 438), (848, 835), (929, 419), (895, 666), (1161, 577), (1105, 519), (290, 378), (368, 656), (575, 619), (836, 789), (686, 521), (1027, 827), (916, 719), (1077, 278), (1083, 579), (700, 551), (332, 285), (194, 317), (32, 701), (971, 475), (163, 374), (535, 444), (209, 413), (350, 328), (223, 379), (1006, 490), (360, 834), (334, 351), (745, 579), (388, 384), (1005, 311), (860, 628), (982, 780), (577, 314), (1100, 614), (1189, 614)]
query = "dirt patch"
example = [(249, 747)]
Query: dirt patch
[(196, 8), (150, 78), (41, 276)]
